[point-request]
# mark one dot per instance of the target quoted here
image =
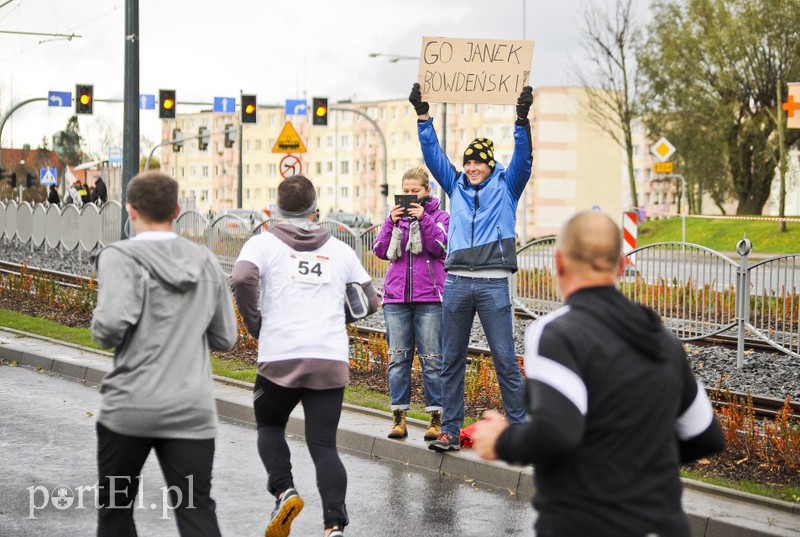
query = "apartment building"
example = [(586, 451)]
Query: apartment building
[(576, 165)]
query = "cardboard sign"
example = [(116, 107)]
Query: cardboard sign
[(486, 71)]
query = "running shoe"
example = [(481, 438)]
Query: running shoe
[(445, 442), (286, 509)]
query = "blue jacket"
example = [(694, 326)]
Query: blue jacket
[(482, 218)]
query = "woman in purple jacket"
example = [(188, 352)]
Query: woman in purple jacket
[(415, 243)]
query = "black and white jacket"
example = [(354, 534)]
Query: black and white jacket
[(613, 411)]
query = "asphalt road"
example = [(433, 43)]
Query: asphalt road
[(48, 443)]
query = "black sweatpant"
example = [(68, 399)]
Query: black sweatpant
[(186, 465), (322, 408)]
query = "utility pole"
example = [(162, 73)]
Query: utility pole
[(782, 165), (130, 133), (241, 153)]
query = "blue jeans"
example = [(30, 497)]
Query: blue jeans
[(407, 323), (490, 298)]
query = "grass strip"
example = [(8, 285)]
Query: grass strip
[(787, 494), (355, 395)]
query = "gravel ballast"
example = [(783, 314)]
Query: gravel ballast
[(763, 373)]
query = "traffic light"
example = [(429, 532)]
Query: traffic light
[(202, 141), (84, 99), (384, 189), (178, 137), (249, 110), (30, 180), (230, 135), (320, 111), (166, 104), (12, 178)]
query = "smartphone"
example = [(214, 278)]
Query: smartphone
[(405, 200)]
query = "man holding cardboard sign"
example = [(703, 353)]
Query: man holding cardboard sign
[(481, 254)]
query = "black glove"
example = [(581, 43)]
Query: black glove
[(415, 98), (524, 103)]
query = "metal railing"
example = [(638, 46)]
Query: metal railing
[(698, 292)]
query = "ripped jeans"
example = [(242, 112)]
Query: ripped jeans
[(407, 323)]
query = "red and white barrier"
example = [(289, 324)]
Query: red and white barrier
[(630, 230)]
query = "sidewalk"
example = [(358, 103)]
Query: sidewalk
[(713, 511)]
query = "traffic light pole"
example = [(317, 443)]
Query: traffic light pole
[(241, 153), (130, 133), (383, 143)]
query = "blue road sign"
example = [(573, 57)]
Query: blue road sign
[(59, 98), (147, 101), (224, 104), (48, 176), (296, 107), (115, 155)]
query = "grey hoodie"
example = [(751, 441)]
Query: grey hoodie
[(162, 304)]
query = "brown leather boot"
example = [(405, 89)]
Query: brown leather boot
[(434, 426), (398, 424)]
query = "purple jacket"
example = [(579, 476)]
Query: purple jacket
[(420, 277)]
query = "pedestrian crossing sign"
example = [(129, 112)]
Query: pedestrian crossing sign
[(48, 176)]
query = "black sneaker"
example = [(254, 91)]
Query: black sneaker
[(445, 442), (286, 509)]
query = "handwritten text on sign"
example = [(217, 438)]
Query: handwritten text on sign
[(488, 71)]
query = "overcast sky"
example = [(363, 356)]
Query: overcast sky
[(277, 50)]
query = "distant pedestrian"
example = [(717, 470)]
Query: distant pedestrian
[(74, 195), (100, 192), (415, 244), (83, 191), (52, 196), (290, 285), (612, 403), (162, 301), (481, 257)]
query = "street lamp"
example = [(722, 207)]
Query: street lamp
[(394, 58)]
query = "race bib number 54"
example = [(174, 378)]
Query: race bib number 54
[(309, 268)]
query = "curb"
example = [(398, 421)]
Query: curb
[(233, 399)]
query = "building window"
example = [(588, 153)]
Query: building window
[(329, 166), (358, 166), (357, 191), (247, 193), (273, 193), (344, 141), (318, 168), (247, 145), (247, 169), (258, 193), (273, 169), (192, 171), (345, 192), (258, 145), (344, 167), (330, 191), (205, 171), (406, 137), (258, 169), (329, 141)]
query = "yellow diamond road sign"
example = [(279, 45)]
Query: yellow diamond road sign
[(289, 141), (662, 149)]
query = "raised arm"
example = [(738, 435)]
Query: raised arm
[(518, 172), (435, 159)]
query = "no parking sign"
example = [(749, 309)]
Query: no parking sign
[(290, 165)]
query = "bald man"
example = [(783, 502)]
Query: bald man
[(612, 404)]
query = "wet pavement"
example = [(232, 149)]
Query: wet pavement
[(47, 441)]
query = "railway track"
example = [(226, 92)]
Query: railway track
[(763, 406)]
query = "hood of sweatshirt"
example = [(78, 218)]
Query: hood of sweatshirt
[(300, 238), (173, 262), (639, 326)]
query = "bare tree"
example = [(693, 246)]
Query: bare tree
[(611, 41), (101, 135)]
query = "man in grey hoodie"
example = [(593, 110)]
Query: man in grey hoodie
[(162, 301)]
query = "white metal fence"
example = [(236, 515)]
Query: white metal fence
[(697, 291)]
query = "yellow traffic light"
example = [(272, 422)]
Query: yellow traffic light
[(320, 105), (83, 99)]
